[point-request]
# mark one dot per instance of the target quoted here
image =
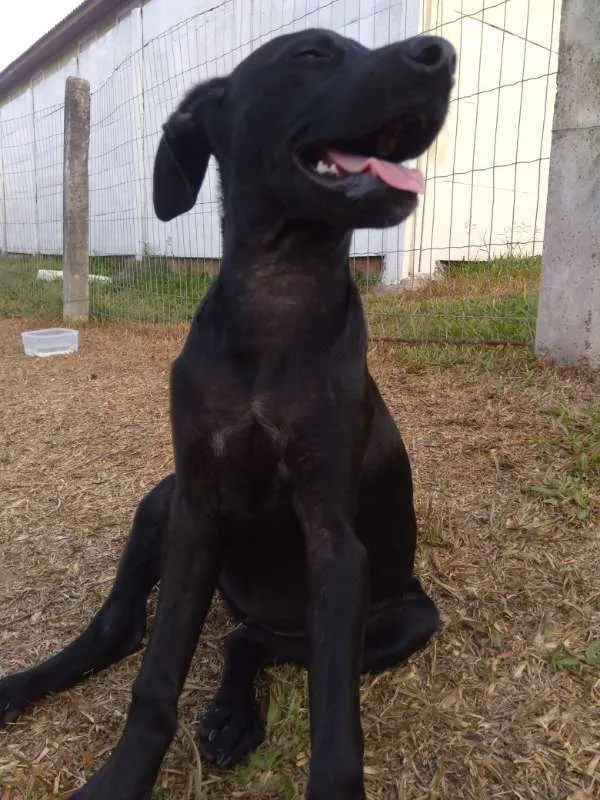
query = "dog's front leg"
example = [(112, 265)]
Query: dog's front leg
[(338, 593), (192, 560)]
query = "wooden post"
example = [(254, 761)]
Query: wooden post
[(76, 201)]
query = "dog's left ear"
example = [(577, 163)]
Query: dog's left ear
[(185, 149)]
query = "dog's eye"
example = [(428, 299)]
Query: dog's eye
[(313, 54)]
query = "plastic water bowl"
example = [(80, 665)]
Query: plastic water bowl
[(50, 342)]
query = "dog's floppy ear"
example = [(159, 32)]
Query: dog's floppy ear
[(184, 150)]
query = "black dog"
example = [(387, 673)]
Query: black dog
[(292, 490)]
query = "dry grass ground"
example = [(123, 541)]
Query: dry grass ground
[(505, 703)]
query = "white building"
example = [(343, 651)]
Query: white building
[(486, 175)]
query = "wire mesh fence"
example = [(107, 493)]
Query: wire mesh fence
[(31, 147), (465, 267), (480, 227)]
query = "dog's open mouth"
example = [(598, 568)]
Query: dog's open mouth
[(379, 155)]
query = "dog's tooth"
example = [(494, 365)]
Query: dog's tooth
[(323, 168)]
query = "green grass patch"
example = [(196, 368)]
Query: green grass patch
[(579, 434), (22, 294), (148, 292), (491, 300), (479, 301), (287, 727), (510, 318), (561, 658), (497, 269), (418, 358), (575, 436)]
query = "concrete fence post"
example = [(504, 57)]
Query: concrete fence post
[(568, 325), (76, 201)]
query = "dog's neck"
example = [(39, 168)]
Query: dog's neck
[(311, 247), (289, 283)]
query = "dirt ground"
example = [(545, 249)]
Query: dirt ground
[(505, 703)]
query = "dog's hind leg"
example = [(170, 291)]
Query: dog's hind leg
[(402, 617), (233, 728), (397, 631), (118, 628)]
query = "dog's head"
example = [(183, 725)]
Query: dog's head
[(314, 126)]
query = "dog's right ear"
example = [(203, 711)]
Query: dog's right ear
[(184, 150)]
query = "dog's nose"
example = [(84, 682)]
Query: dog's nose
[(430, 54)]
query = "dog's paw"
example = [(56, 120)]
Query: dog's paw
[(229, 732), (12, 698), (105, 786)]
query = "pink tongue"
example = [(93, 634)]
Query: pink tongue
[(395, 175)]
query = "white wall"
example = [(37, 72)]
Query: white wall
[(487, 175), (141, 66), (19, 174), (138, 70)]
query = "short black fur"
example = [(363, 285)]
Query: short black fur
[(292, 491)]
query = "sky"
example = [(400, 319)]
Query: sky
[(26, 22)]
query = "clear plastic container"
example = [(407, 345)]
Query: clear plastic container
[(50, 342)]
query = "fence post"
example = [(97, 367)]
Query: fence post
[(568, 325), (76, 201)]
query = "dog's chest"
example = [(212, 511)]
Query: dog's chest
[(250, 451), (252, 428)]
